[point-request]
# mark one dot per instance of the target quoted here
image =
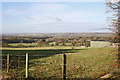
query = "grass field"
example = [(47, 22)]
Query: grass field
[(35, 44), (25, 44), (42, 48), (81, 62)]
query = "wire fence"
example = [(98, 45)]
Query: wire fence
[(16, 65), (60, 66)]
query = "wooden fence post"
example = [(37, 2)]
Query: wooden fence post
[(64, 67), (8, 60), (18, 62), (26, 65)]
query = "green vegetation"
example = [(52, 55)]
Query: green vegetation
[(45, 55), (81, 63), (25, 44), (50, 40), (40, 48)]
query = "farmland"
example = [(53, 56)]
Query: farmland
[(48, 40), (81, 62), (46, 55)]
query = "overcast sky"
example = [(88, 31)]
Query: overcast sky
[(46, 17)]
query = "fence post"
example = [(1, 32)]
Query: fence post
[(8, 58), (18, 62), (26, 65), (64, 67)]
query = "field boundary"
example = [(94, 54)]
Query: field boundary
[(27, 65)]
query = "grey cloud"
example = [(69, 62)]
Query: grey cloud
[(28, 18), (54, 18), (58, 19)]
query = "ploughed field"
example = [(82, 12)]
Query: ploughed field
[(48, 62)]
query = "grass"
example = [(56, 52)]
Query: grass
[(41, 48), (92, 62), (81, 62), (25, 44), (35, 44), (52, 43)]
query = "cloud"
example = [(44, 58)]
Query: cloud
[(41, 13), (38, 12), (28, 18), (46, 8), (10, 12), (58, 19), (54, 16)]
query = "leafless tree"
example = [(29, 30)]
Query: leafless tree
[(113, 8)]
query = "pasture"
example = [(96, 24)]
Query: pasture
[(81, 62), (35, 44)]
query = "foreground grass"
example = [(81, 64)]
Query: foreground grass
[(92, 63), (81, 63)]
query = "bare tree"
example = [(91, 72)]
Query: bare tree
[(113, 8)]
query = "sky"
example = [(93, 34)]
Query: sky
[(53, 17), (54, 0)]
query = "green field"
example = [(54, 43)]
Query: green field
[(81, 62), (25, 44), (35, 44), (43, 48)]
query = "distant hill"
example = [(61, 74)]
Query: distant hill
[(59, 34)]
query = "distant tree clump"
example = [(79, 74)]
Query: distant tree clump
[(42, 42), (4, 44)]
